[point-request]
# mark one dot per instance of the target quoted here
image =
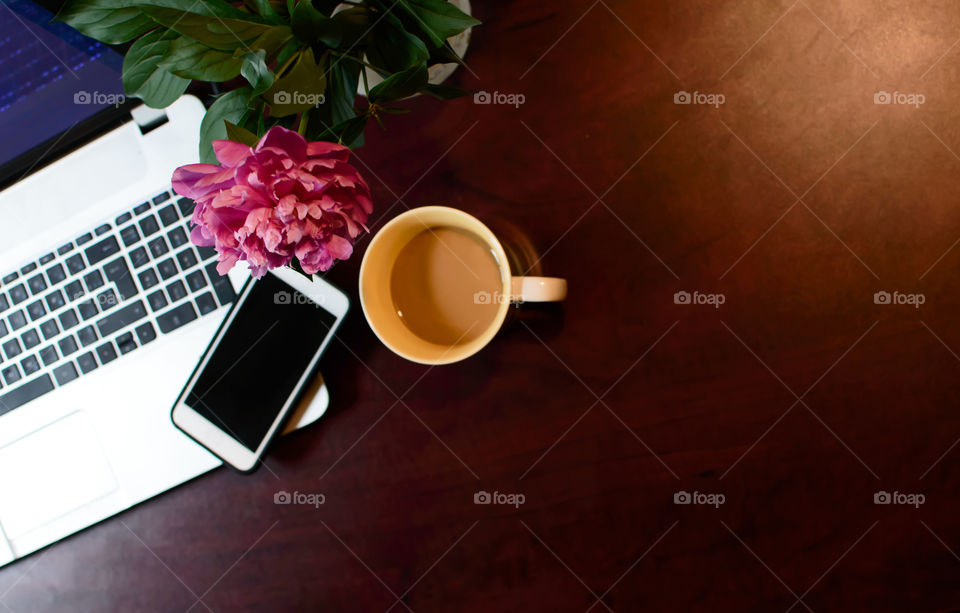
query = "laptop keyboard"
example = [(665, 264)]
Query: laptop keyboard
[(101, 296)]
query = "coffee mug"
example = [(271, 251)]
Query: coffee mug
[(435, 285)]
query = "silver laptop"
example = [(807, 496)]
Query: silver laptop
[(105, 306)]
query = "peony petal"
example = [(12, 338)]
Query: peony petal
[(231, 154), (280, 140), (196, 181)]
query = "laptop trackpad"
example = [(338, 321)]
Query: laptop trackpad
[(51, 472)]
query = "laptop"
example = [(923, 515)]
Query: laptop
[(105, 305)]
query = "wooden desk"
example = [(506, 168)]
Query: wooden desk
[(797, 399)]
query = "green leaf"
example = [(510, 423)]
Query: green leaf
[(311, 26), (354, 24), (348, 133), (393, 48), (108, 21), (241, 135), (224, 34), (228, 107), (273, 40), (342, 90), (443, 92), (256, 72), (400, 85), (266, 10), (302, 85), (192, 60), (440, 19), (144, 78)]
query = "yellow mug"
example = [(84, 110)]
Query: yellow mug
[(379, 306)]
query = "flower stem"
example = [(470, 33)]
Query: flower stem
[(302, 127)]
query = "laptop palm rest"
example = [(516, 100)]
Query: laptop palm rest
[(52, 471)]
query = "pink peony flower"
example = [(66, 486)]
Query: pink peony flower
[(283, 199)]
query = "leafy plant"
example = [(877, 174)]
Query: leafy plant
[(294, 63)]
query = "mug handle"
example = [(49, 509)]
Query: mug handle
[(538, 289)]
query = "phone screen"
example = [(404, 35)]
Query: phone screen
[(259, 361)]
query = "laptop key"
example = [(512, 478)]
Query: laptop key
[(74, 290), (55, 301), (36, 310), (30, 365), (168, 215), (102, 250), (186, 206), (87, 336), (221, 285), (163, 197), (12, 349), (56, 274), (107, 300), (158, 247), (18, 293), (125, 343), (25, 393), (48, 355), (167, 268), (69, 319), (122, 318), (148, 279), (139, 257), (49, 329), (118, 273), (37, 284), (93, 280), (106, 353), (11, 374), (88, 310), (206, 303), (32, 266), (101, 230), (146, 333), (11, 277), (75, 263), (176, 291), (65, 249), (87, 362), (157, 300), (174, 318), (3, 329), (129, 235), (196, 280), (177, 237), (68, 346), (187, 259), (18, 320), (65, 373), (149, 225), (83, 240), (30, 339), (47, 258), (140, 209), (206, 253), (4, 304), (122, 219)]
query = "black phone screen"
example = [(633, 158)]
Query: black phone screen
[(255, 368)]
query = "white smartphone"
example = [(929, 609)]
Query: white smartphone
[(258, 365)]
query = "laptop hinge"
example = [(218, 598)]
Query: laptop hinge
[(148, 119)]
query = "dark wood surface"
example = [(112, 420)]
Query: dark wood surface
[(798, 399)]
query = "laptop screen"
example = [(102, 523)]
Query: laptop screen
[(51, 78)]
